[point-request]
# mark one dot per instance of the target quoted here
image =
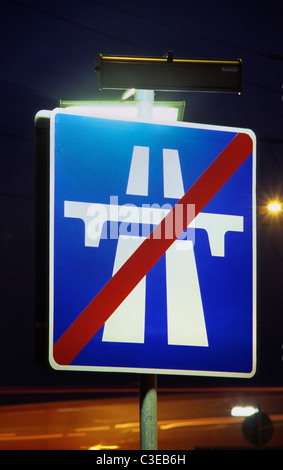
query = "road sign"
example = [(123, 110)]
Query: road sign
[(152, 247)]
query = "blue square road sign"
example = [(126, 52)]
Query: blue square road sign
[(193, 312)]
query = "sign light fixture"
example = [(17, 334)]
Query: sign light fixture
[(162, 111), (168, 74)]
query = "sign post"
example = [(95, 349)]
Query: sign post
[(148, 412), (148, 382)]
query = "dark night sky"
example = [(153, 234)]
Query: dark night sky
[(47, 53)]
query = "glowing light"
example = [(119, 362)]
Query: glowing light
[(244, 411), (103, 447), (128, 93), (127, 112), (161, 111), (274, 207)]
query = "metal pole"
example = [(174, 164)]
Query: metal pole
[(148, 382), (148, 412), (144, 99)]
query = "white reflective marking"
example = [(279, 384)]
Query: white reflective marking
[(172, 175), (216, 226), (138, 176), (95, 215), (185, 316), (127, 323)]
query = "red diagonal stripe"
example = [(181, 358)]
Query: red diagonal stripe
[(150, 251)]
